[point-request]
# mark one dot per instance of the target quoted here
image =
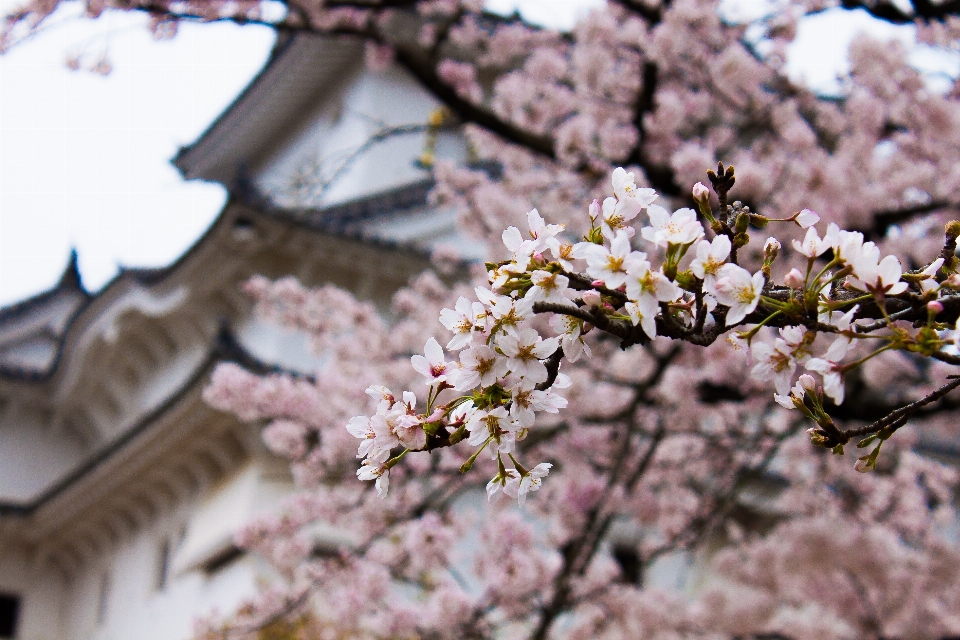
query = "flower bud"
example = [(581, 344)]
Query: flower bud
[(865, 464), (953, 282), (591, 298), (742, 223), (771, 249), (594, 210), (934, 309), (806, 218), (700, 191), (952, 229), (793, 279)]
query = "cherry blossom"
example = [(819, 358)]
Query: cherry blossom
[(609, 265), (680, 228), (432, 365), (711, 255), (737, 289)]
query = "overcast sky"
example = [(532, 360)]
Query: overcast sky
[(84, 159)]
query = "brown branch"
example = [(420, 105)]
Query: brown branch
[(899, 417), (891, 12)]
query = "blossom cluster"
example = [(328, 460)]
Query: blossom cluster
[(507, 371)]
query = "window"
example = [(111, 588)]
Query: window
[(104, 596), (9, 614), (163, 565)]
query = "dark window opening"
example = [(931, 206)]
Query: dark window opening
[(103, 599), (631, 566), (222, 559), (163, 565), (9, 615)]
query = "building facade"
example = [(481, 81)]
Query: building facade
[(120, 490)]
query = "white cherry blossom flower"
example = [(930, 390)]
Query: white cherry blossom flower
[(495, 487), (680, 228), (524, 352), (710, 257), (648, 288), (360, 427), (804, 384), (526, 399), (774, 362), (928, 281), (495, 423), (624, 187), (432, 365), (382, 395), (617, 213), (373, 468), (646, 318), (832, 377), (881, 277), (465, 320), (509, 313), (548, 287), (740, 291), (480, 366), (562, 252), (540, 231), (518, 486), (503, 273), (571, 338), (812, 245), (514, 241), (608, 265)]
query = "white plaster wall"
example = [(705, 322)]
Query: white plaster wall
[(33, 454), (136, 608), (371, 101)]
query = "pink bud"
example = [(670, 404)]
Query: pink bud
[(594, 210), (591, 298), (700, 192), (934, 308), (538, 256), (793, 279), (596, 283)]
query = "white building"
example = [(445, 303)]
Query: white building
[(119, 488)]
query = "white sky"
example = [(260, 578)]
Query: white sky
[(84, 159)]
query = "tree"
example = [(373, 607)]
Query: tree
[(670, 448)]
